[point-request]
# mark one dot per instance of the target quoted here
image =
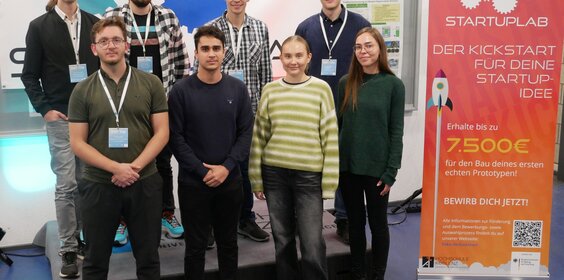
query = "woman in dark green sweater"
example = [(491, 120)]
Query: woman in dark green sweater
[(371, 114)]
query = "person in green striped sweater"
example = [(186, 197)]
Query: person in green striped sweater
[(294, 161)]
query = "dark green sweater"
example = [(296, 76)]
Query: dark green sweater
[(370, 137)]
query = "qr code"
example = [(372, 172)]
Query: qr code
[(527, 234)]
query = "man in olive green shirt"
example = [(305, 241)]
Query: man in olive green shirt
[(118, 124)]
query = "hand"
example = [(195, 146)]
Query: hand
[(386, 189), (125, 175), (54, 115), (216, 175), (260, 195)]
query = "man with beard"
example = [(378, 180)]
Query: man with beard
[(118, 124), (154, 34), (57, 57)]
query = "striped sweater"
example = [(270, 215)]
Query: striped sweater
[(296, 128)]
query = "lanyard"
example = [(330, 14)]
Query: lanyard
[(116, 112), (239, 40), (330, 48), (147, 26)]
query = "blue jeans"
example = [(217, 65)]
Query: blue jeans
[(294, 203), (248, 199), (67, 169), (340, 209)]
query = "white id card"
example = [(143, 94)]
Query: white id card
[(77, 72), (118, 138), (328, 67), (237, 74), (145, 63)]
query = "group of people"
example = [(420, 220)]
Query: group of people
[(118, 107)]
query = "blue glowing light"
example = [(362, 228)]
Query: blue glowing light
[(25, 163)]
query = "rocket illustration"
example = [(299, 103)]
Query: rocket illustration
[(440, 92)]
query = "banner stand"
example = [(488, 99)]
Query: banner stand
[(439, 276)]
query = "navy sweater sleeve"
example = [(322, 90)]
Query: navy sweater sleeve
[(183, 153), (242, 146)]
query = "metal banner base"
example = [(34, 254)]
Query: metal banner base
[(444, 276)]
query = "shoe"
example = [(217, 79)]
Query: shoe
[(81, 246), (211, 241), (250, 229), (343, 230), (170, 225), (121, 235), (69, 269)]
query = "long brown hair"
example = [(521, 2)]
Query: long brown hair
[(50, 5), (356, 72)]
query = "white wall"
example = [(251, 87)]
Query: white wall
[(22, 215)]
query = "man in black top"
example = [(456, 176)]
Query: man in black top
[(211, 125), (57, 57)]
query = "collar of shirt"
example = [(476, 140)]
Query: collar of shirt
[(246, 22), (341, 16), (64, 16), (123, 77)]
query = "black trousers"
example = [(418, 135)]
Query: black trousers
[(354, 187), (140, 205), (165, 170), (203, 208)]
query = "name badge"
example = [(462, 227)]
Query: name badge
[(118, 138), (328, 67), (145, 63), (237, 74), (77, 72)]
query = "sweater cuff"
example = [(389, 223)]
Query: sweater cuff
[(229, 164), (388, 179), (202, 171), (328, 194)]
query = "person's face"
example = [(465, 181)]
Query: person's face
[(294, 58), (236, 6), (330, 4), (210, 53), (68, 1), (141, 3), (367, 50), (110, 45)]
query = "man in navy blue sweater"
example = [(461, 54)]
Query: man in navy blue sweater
[(210, 132)]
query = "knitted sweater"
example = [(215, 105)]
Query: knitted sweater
[(296, 128), (371, 136)]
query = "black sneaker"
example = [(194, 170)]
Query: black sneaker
[(343, 230), (69, 269), (250, 229), (211, 241)]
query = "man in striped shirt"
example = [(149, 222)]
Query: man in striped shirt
[(156, 47)]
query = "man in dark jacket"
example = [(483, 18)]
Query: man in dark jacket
[(57, 57)]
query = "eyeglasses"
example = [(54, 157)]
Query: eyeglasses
[(104, 43), (367, 47)]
